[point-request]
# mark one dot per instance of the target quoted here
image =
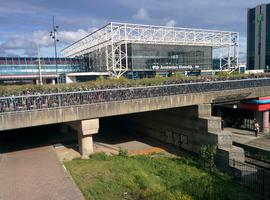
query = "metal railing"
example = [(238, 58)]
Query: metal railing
[(68, 99), (252, 177)]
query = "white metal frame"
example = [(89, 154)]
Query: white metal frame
[(115, 37)]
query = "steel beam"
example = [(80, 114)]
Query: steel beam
[(114, 38)]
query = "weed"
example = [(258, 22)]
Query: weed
[(122, 152)]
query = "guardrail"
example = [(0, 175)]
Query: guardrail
[(252, 177), (67, 99)]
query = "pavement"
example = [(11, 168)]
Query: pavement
[(262, 142), (248, 138), (133, 144), (33, 173)]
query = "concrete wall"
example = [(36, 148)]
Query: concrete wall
[(186, 127), (60, 115)]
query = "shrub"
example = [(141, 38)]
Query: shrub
[(178, 75), (122, 152), (102, 83), (208, 153), (99, 156), (222, 74)]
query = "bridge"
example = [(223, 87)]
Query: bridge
[(36, 69), (187, 108)]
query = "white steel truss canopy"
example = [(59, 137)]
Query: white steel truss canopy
[(114, 37)]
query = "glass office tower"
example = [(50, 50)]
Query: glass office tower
[(258, 37)]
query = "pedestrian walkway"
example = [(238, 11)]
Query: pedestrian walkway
[(35, 174), (248, 138), (263, 142)]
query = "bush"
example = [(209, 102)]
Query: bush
[(122, 152), (100, 78), (208, 153), (222, 74), (99, 156), (103, 83), (178, 75)]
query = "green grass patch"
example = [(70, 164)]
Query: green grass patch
[(151, 177)]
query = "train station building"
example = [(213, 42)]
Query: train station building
[(132, 50), (120, 48)]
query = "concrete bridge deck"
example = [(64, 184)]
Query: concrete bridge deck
[(35, 110)]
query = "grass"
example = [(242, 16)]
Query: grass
[(151, 177)]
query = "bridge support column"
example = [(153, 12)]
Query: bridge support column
[(85, 139), (266, 121), (85, 130)]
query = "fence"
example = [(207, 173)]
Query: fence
[(254, 178), (58, 100)]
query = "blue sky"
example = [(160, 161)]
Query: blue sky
[(25, 24)]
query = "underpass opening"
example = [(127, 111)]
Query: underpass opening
[(234, 116), (183, 128), (35, 137), (117, 132)]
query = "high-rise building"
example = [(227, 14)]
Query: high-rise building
[(258, 37)]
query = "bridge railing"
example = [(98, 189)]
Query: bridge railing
[(68, 99)]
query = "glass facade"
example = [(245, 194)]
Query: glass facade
[(267, 50), (96, 61), (149, 57), (10, 66), (168, 57), (258, 51), (251, 38)]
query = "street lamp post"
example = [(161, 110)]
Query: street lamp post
[(39, 69), (53, 35)]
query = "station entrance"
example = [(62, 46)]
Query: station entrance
[(234, 117)]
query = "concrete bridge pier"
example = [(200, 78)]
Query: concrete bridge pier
[(85, 130), (263, 119), (266, 121)]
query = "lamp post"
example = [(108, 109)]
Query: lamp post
[(39, 68), (53, 35)]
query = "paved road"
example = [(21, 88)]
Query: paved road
[(35, 174)]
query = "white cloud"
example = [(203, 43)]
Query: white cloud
[(141, 15), (71, 36), (16, 42), (171, 23), (42, 38), (29, 44)]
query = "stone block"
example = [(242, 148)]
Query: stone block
[(204, 110), (90, 126)]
